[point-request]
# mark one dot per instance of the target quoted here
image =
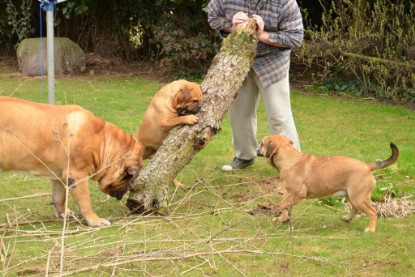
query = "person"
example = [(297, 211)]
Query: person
[(280, 29)]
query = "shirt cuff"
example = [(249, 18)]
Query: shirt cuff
[(227, 24), (274, 37)]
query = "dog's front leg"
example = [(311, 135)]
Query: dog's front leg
[(351, 214), (80, 193), (286, 204), (184, 119), (58, 197)]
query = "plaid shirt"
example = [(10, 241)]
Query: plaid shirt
[(283, 21)]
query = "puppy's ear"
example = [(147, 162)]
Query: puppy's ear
[(177, 98), (181, 96), (271, 149), (198, 89), (285, 139)]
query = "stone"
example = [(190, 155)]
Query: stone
[(69, 57)]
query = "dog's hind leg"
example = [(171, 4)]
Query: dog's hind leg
[(360, 201), (371, 213), (365, 207)]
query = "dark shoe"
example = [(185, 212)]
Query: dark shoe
[(237, 164)]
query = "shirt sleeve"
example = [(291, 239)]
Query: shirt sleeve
[(217, 17), (291, 29)]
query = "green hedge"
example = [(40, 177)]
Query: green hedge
[(368, 43), (364, 47)]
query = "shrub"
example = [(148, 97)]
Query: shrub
[(180, 46), (19, 17), (370, 41)]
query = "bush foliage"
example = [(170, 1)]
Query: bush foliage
[(372, 42), (363, 46)]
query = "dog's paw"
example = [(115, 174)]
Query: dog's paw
[(99, 222), (369, 230), (346, 218), (282, 219), (277, 213), (177, 184), (69, 214), (191, 119)]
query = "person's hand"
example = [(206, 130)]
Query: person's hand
[(239, 18), (261, 34), (260, 22)]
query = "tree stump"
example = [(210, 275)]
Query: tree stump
[(225, 76)]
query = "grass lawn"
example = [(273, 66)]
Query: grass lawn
[(209, 231)]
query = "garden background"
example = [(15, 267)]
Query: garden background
[(352, 94)]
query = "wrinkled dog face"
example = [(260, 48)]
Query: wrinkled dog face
[(123, 183), (188, 100), (120, 176)]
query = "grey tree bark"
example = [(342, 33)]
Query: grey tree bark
[(225, 76)]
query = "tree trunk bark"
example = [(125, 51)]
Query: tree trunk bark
[(225, 76)]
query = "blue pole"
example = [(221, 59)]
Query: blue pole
[(41, 50)]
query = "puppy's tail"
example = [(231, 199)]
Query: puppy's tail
[(392, 159)]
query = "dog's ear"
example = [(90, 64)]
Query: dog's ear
[(284, 139), (271, 149), (177, 98), (181, 96)]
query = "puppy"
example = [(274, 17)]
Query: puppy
[(69, 145), (306, 176), (174, 104)]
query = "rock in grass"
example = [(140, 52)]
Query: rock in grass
[(32, 56)]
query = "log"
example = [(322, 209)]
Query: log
[(225, 76)]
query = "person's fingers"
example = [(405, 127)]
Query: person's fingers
[(239, 17)]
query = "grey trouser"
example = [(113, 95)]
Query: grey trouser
[(242, 114)]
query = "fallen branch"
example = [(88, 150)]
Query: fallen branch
[(377, 60), (220, 86)]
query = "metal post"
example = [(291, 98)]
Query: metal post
[(48, 6), (50, 53)]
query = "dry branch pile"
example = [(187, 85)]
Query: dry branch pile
[(392, 207), (395, 207)]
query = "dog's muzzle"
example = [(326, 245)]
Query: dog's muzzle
[(188, 110), (118, 194), (181, 111)]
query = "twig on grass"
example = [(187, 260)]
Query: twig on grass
[(183, 199), (146, 258), (24, 197), (193, 267), (18, 87)]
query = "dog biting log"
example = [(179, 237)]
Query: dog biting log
[(225, 76)]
